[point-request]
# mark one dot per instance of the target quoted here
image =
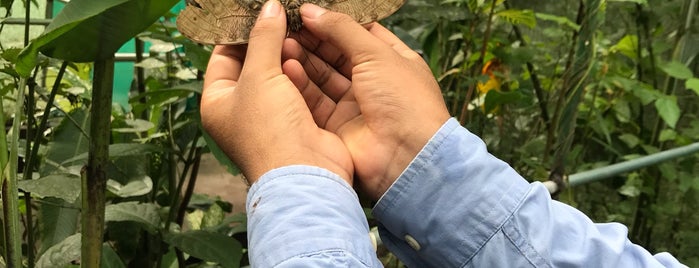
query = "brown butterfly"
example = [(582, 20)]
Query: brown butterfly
[(230, 21)]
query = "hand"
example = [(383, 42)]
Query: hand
[(256, 114), (371, 89)]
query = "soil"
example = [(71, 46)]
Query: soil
[(214, 180)]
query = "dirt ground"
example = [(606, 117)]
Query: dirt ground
[(214, 180)]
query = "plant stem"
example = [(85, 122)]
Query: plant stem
[(190, 184), (534, 78), (140, 77), (10, 198), (27, 14), (32, 155), (481, 62), (94, 179), (28, 170)]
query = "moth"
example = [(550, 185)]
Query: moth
[(230, 21)]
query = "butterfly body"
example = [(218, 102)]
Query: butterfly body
[(230, 21)]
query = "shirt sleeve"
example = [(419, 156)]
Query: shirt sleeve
[(303, 216), (456, 205)]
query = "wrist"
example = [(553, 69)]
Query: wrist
[(261, 164)]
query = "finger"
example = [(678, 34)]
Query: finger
[(265, 42), (325, 51), (224, 65), (346, 110), (340, 30), (331, 82), (320, 105), (390, 39)]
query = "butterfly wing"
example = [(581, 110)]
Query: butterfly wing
[(229, 22), (216, 22), (366, 11)]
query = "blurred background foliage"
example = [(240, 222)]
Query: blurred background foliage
[(553, 87)]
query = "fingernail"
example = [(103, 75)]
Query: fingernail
[(312, 11), (271, 9)]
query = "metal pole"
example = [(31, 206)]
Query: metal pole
[(623, 167), (615, 169)]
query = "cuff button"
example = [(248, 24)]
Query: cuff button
[(412, 242)]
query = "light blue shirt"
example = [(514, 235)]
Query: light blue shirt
[(455, 205)]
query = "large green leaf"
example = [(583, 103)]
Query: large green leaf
[(676, 69), (63, 186), (61, 254), (88, 30), (58, 219), (208, 246), (145, 214), (668, 109), (136, 187), (68, 141)]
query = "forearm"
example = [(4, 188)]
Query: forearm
[(306, 216), (464, 207)]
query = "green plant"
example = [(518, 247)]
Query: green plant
[(553, 87)]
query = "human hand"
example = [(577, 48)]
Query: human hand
[(256, 114), (367, 86)]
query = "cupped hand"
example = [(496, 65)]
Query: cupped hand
[(256, 114), (367, 86)]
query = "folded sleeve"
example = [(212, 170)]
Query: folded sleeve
[(456, 205), (303, 216)]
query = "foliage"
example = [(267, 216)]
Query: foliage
[(638, 96), (553, 87)]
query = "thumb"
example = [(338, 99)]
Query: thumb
[(266, 39)]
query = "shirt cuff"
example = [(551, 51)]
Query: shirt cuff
[(304, 211), (470, 186)]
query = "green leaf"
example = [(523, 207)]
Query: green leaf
[(630, 140), (642, 2), (242, 224), (68, 141), (627, 45), (7, 4), (668, 109), (515, 16), (667, 135), (110, 259), (58, 219), (101, 26), (145, 214), (558, 19), (496, 98), (676, 69), (136, 187), (61, 254), (136, 126), (208, 246), (120, 150), (693, 84), (63, 186), (212, 217), (632, 187)]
